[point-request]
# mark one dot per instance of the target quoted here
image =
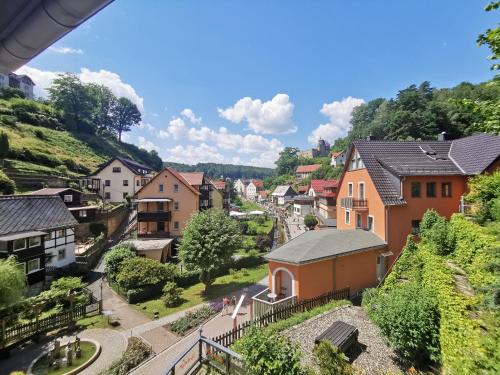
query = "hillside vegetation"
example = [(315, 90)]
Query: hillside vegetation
[(226, 170)]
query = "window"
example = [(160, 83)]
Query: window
[(431, 190), (415, 189), (125, 182), (83, 213), (61, 254), (446, 189), (160, 188), (35, 241), (117, 169), (176, 225), (32, 265), (50, 236), (415, 226), (107, 183), (176, 206), (362, 190), (60, 233), (107, 195), (68, 198), (137, 183), (348, 217), (20, 244), (349, 189), (176, 188), (370, 223)]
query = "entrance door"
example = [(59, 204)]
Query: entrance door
[(160, 226), (286, 287), (380, 267), (358, 221), (370, 223)]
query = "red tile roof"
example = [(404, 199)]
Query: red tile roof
[(257, 183), (264, 193), (307, 168), (303, 188), (336, 153), (219, 185), (319, 185), (193, 178)]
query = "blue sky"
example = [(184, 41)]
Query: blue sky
[(236, 81)]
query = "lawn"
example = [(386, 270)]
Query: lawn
[(93, 321), (194, 295), (250, 206)]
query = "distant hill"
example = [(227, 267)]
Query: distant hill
[(217, 170)]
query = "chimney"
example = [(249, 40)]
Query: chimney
[(442, 136), (370, 137)]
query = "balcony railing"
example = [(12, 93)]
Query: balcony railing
[(154, 216), (262, 304), (153, 234), (353, 203)]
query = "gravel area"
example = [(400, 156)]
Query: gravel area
[(113, 344), (373, 356)]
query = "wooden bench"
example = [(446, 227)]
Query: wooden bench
[(340, 334)]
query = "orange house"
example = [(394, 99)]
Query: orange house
[(385, 189), (165, 204)]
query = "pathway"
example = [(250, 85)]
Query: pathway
[(295, 226)]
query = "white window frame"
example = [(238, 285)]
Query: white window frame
[(39, 241), (364, 190), (347, 215), (57, 233), (176, 188), (373, 223), (176, 225), (21, 248), (176, 206), (350, 189), (107, 182), (125, 182), (82, 213), (68, 198), (161, 188), (33, 270), (117, 170)]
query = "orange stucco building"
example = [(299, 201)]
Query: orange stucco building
[(384, 190)]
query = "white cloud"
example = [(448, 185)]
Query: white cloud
[(147, 145), (146, 126), (177, 128), (66, 50), (340, 114), (195, 154), (43, 79), (189, 114), (271, 117), (125, 137)]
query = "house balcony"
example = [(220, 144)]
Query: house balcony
[(263, 303), (152, 235), (143, 216), (353, 203)]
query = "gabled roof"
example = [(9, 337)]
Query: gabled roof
[(307, 168), (319, 185), (336, 154), (283, 190), (23, 213), (476, 153), (176, 174), (317, 245), (219, 185), (53, 191), (134, 166), (193, 178), (264, 193), (257, 183), (302, 188)]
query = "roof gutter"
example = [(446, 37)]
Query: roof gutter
[(49, 21)]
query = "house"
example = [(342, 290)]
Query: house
[(263, 196), (159, 249), (165, 204), (21, 82), (117, 179), (303, 205), (385, 189), (326, 204), (305, 171), (217, 198), (202, 183), (323, 149), (303, 189), (252, 189), (240, 186), (72, 198), (225, 189), (316, 188), (39, 231), (283, 194), (338, 158)]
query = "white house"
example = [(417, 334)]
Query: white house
[(117, 179), (338, 159), (21, 82), (253, 188), (240, 186), (302, 205), (282, 194)]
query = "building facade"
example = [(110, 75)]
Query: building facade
[(240, 186), (253, 188), (224, 188), (21, 82), (305, 171), (283, 194), (202, 183)]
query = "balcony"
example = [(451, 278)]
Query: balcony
[(154, 216), (153, 235), (262, 304), (353, 203)]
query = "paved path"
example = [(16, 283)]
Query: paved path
[(295, 225)]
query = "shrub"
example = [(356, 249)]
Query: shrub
[(96, 228), (310, 221), (7, 186), (138, 272), (263, 242), (330, 360), (136, 352), (191, 319), (8, 120), (116, 256), (62, 170), (11, 92), (408, 316), (39, 134), (171, 294), (268, 353), (434, 228), (484, 190), (243, 227)]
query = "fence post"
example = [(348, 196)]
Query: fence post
[(228, 364), (200, 346)]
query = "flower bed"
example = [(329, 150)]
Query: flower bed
[(195, 318)]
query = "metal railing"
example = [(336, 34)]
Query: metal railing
[(262, 304), (353, 203), (154, 216)]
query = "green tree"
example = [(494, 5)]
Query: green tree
[(491, 37), (484, 194), (310, 221), (115, 257), (330, 360), (287, 161), (12, 282), (4, 146), (7, 186), (268, 354), (104, 104), (11, 92), (209, 240), (125, 116), (138, 272)]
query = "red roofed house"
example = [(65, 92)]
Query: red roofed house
[(253, 187), (305, 171), (327, 204), (338, 159), (200, 182), (224, 189), (263, 195)]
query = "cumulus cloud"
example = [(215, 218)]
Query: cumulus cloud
[(339, 113), (189, 114), (43, 79), (66, 50), (271, 117), (147, 145), (146, 126), (195, 154)]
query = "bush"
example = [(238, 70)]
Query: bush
[(39, 134), (434, 229), (116, 256), (409, 318), (171, 294), (310, 221), (484, 190), (136, 353), (263, 242), (96, 228), (7, 186), (11, 92), (269, 354), (330, 360), (191, 319), (138, 272), (62, 170), (244, 227), (187, 278), (8, 120)]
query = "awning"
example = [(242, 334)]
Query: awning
[(17, 236), (237, 214), (256, 212), (145, 200), (82, 208), (387, 254)]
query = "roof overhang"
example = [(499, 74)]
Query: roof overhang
[(16, 236), (146, 200)]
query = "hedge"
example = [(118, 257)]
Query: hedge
[(143, 293)]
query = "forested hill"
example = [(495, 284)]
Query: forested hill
[(216, 170)]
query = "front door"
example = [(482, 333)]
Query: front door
[(358, 221), (380, 267), (160, 226)]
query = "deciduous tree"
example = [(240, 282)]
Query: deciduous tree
[(125, 116), (12, 282)]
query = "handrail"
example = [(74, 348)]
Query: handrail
[(256, 297), (180, 357), (222, 348)]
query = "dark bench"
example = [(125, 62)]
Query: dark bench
[(340, 334)]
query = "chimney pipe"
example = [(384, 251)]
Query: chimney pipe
[(442, 136)]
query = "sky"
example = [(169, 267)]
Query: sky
[(234, 81)]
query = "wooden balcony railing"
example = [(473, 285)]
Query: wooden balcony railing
[(353, 203), (154, 216)]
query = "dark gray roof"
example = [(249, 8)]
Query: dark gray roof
[(21, 213), (134, 166), (315, 245), (475, 153), (283, 191)]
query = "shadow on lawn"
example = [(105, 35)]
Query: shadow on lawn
[(221, 290)]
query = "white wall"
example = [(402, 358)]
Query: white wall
[(116, 189), (251, 191), (52, 247)]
